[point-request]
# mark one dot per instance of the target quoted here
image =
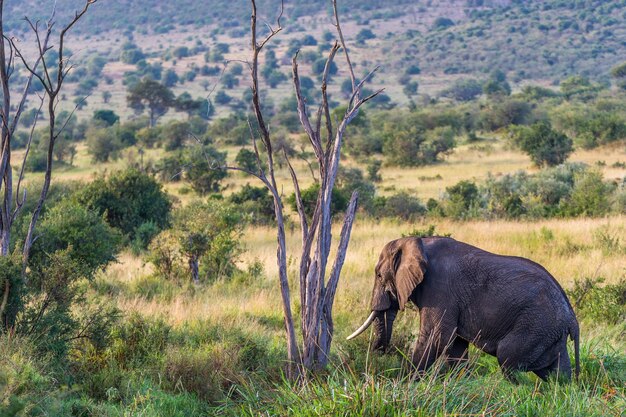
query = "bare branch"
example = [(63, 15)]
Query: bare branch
[(343, 45), (344, 239), (302, 113), (300, 206), (20, 203)]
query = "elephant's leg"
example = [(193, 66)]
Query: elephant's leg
[(522, 351), (561, 366), (437, 335), (457, 352)]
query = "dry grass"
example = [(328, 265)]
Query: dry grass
[(569, 249)]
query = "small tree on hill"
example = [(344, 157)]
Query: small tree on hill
[(619, 73), (152, 95)]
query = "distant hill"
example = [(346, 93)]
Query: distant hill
[(425, 42), (545, 40)]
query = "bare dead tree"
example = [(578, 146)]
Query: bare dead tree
[(41, 69), (317, 287)]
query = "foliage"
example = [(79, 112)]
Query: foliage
[(127, 199), (109, 117), (150, 94), (619, 73), (502, 113), (605, 303), (462, 197), (82, 233), (403, 206), (544, 145), (338, 203), (204, 235), (203, 169), (255, 202), (103, 144), (409, 141), (463, 90)]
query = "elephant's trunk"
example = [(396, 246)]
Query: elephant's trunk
[(383, 324)]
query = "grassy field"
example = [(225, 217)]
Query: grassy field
[(218, 348), (359, 384)]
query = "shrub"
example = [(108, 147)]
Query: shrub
[(81, 232), (418, 139), (127, 199), (144, 235), (599, 303), (462, 197), (544, 145), (203, 169), (256, 202), (463, 90), (590, 195), (404, 206), (109, 117), (338, 203), (164, 254), (103, 144), (204, 242), (442, 23), (504, 113)]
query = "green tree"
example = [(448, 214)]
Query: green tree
[(103, 144), (544, 145), (203, 169), (364, 35), (208, 233), (109, 117), (497, 85), (174, 134), (127, 199), (461, 198), (590, 195), (619, 73), (82, 232), (463, 90), (256, 202), (150, 94)]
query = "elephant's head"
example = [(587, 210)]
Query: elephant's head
[(400, 269)]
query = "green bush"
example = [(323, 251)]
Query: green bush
[(103, 144), (338, 203), (544, 145), (256, 202), (599, 303), (127, 199), (402, 205), (204, 169), (144, 235), (462, 197), (590, 196), (83, 233)]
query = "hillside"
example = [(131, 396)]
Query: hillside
[(529, 40)]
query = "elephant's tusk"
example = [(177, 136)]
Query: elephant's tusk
[(363, 327)]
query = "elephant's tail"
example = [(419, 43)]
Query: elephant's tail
[(575, 336)]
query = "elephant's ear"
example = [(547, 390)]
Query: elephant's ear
[(410, 265)]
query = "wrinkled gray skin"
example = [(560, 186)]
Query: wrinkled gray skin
[(509, 307)]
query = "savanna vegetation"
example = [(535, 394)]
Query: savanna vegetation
[(151, 285)]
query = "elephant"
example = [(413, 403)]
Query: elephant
[(507, 306)]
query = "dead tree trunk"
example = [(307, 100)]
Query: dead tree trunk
[(317, 288), (40, 69)]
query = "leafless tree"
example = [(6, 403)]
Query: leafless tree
[(42, 69), (318, 280)]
